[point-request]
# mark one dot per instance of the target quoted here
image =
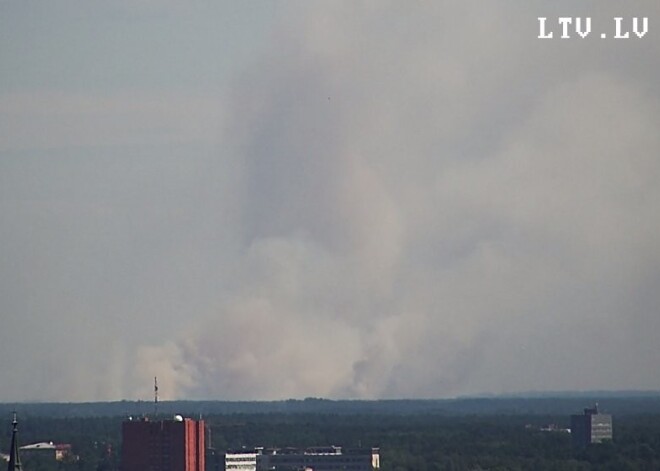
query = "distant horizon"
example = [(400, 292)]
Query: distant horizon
[(576, 394)]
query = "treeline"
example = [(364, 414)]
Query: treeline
[(421, 442), (435, 442), (613, 403), (95, 442)]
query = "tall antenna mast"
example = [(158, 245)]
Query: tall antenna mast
[(155, 395), (14, 457)]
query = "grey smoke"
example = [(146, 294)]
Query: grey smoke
[(399, 200)]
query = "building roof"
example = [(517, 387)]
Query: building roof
[(39, 446)]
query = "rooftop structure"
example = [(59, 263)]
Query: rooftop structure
[(60, 451), (241, 460), (590, 427), (163, 445), (330, 458)]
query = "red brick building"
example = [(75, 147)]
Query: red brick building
[(163, 445)]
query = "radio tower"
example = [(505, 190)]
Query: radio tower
[(155, 396)]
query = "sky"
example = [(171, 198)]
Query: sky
[(339, 199)]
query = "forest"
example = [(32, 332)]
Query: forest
[(420, 437)]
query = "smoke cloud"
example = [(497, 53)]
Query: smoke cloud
[(397, 200)]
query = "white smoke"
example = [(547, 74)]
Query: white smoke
[(393, 199), (419, 204)]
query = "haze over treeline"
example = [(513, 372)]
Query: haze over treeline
[(337, 199), (619, 404)]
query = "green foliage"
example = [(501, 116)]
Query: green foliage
[(94, 442), (421, 442)]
